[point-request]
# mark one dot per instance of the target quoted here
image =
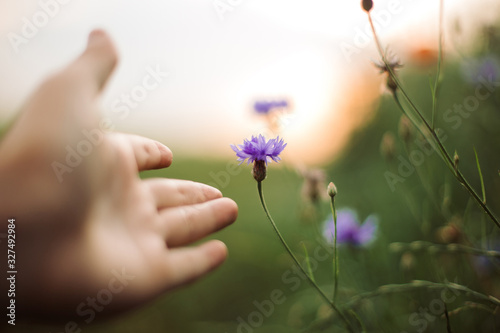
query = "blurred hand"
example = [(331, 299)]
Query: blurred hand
[(93, 228)]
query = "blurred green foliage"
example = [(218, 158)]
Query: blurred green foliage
[(429, 205)]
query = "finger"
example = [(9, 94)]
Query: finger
[(185, 224), (149, 154), (97, 61), (194, 262), (67, 99), (175, 192)]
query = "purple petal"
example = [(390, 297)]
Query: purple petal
[(367, 231)]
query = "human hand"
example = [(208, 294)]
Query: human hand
[(75, 237)]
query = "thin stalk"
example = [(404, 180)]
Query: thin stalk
[(287, 248), (448, 248), (448, 324), (449, 162), (377, 42), (426, 184), (439, 147), (336, 268), (440, 56), (442, 150), (421, 284)]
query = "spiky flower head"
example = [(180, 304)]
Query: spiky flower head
[(259, 151), (391, 64)]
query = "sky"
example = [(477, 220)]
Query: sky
[(214, 58)]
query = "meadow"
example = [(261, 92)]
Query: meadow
[(432, 265), (260, 290)]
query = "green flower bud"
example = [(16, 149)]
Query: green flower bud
[(331, 190)]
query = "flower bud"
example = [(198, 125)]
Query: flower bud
[(388, 146), (312, 189), (407, 262), (450, 233), (259, 171), (456, 160), (367, 5), (405, 129), (331, 190)]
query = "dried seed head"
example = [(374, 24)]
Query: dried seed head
[(456, 161), (450, 233), (388, 146), (259, 171), (367, 5), (405, 129), (312, 188), (331, 190), (391, 64), (407, 261)]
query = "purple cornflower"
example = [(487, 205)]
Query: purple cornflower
[(478, 70), (350, 231), (259, 151), (264, 107)]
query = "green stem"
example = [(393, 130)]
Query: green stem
[(287, 248), (448, 248), (440, 56), (336, 257), (421, 284), (449, 162), (436, 141), (377, 42)]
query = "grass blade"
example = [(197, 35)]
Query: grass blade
[(308, 263), (480, 176)]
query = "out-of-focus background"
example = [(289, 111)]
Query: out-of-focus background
[(222, 55), (212, 60)]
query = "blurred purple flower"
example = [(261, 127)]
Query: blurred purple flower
[(264, 107), (350, 231), (258, 149), (487, 67), (485, 265)]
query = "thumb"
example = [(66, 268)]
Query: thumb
[(66, 102), (97, 61), (70, 93)]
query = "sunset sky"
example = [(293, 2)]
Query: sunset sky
[(220, 58)]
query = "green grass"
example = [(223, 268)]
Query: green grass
[(257, 261)]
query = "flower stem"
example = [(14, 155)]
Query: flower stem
[(433, 138), (287, 248), (449, 162), (377, 42), (448, 248), (421, 284), (440, 59), (336, 258)]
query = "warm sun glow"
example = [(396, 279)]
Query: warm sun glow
[(218, 68)]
